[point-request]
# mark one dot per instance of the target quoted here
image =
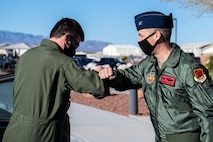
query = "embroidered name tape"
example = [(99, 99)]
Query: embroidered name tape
[(168, 80)]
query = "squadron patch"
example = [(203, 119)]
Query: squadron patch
[(199, 75), (150, 78)]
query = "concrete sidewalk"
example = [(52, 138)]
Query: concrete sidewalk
[(94, 125)]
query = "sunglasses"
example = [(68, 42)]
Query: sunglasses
[(76, 43)]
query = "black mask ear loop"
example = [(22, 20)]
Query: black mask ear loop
[(160, 39), (146, 47), (67, 39), (150, 35)]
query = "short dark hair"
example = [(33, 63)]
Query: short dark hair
[(165, 32), (67, 25)]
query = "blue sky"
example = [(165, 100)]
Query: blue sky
[(102, 20)]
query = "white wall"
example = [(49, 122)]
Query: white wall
[(122, 50)]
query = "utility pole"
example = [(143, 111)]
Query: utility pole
[(175, 20)]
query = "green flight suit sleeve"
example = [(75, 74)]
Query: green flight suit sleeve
[(130, 78), (85, 81), (200, 89)]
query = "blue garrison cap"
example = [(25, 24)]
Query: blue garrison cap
[(153, 19)]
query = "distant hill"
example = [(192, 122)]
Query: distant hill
[(91, 46), (14, 37), (7, 37)]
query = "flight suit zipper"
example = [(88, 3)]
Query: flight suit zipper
[(158, 75), (157, 101)]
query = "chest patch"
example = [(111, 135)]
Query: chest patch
[(199, 75), (168, 80), (150, 78)]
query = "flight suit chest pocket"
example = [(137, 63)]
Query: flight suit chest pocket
[(173, 93)]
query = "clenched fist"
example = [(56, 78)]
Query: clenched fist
[(106, 73)]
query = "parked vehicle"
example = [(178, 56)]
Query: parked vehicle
[(112, 62), (83, 60), (6, 107), (7, 62), (5, 115)]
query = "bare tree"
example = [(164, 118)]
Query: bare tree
[(200, 6)]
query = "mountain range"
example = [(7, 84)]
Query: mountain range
[(7, 37)]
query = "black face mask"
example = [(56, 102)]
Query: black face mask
[(146, 47), (69, 51)]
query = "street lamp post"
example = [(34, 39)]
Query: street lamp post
[(175, 19)]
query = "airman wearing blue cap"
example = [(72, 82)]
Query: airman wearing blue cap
[(177, 88)]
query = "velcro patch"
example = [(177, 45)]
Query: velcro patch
[(151, 77), (168, 80), (199, 75)]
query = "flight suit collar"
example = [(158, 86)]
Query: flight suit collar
[(50, 44), (173, 58)]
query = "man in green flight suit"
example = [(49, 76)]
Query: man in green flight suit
[(44, 77), (178, 89)]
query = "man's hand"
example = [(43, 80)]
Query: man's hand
[(98, 68), (106, 73)]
